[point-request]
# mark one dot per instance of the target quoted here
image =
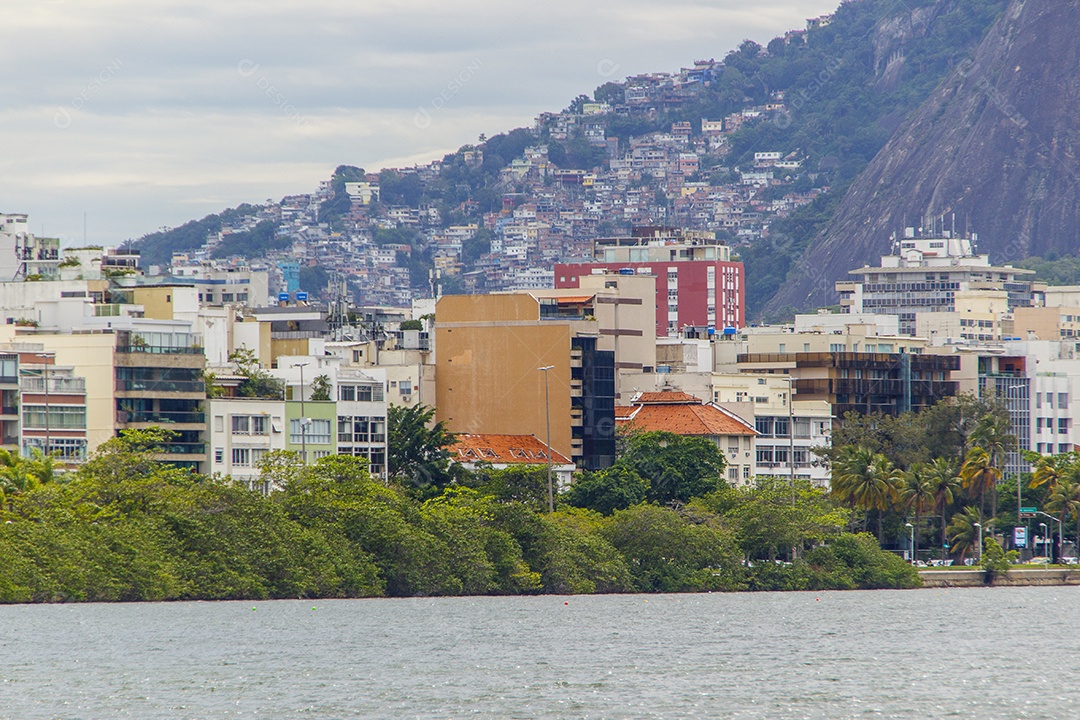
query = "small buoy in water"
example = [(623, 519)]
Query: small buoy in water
[(817, 599), (313, 607), (252, 609)]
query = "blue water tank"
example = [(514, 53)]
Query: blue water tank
[(626, 271), (730, 331)]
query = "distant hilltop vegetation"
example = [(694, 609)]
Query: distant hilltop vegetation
[(760, 148)]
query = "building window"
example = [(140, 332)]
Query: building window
[(1063, 401), (764, 455), (259, 425), (61, 417), (802, 428), (219, 423), (1063, 426), (241, 457), (241, 425), (733, 474), (219, 455), (257, 454), (318, 432)]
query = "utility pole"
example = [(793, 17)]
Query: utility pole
[(547, 418), (303, 416)]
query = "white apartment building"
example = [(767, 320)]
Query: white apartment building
[(242, 432), (924, 276)]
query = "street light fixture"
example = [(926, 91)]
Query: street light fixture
[(979, 525), (1046, 540), (911, 527), (547, 419), (303, 416)]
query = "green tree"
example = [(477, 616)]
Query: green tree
[(963, 531), (417, 448), (978, 474), (606, 491), (992, 434), (321, 388), (915, 494), (945, 485), (257, 382), (666, 553), (677, 468)]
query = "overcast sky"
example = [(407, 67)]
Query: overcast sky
[(144, 113)]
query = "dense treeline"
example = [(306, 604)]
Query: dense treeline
[(125, 527)]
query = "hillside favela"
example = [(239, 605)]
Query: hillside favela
[(800, 316)]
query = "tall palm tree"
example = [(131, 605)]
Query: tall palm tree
[(915, 494), (851, 465), (946, 486), (962, 531), (978, 474), (876, 489), (1064, 498), (1049, 469), (992, 435)]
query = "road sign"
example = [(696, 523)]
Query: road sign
[(1029, 510)]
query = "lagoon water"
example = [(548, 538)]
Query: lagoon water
[(964, 653)]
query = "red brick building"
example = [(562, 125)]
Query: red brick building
[(697, 283)]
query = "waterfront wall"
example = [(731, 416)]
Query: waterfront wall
[(1015, 578)]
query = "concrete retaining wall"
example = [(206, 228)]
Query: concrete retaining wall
[(977, 578)]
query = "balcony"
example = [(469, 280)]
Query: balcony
[(58, 385), (159, 343), (161, 418)]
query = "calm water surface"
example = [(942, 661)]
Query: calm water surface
[(964, 653)]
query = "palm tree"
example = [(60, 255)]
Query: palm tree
[(978, 474), (1049, 469), (876, 488), (1064, 498), (852, 464), (916, 493), (992, 435), (946, 486), (962, 531)]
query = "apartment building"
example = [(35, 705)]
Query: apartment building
[(697, 283), (489, 376), (925, 275)]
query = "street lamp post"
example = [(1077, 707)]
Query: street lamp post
[(303, 416), (1046, 542), (980, 526), (547, 419), (911, 527)]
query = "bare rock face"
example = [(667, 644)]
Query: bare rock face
[(994, 149)]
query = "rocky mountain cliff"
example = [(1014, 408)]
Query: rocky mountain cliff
[(995, 147)]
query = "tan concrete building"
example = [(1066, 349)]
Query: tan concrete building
[(490, 349), (1047, 323)]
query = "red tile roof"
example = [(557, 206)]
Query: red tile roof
[(503, 449), (679, 413), (665, 397)]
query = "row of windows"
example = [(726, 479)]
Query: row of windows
[(361, 429), (361, 393), (317, 432), (1049, 447), (65, 449), (61, 417), (1048, 423), (1062, 400)]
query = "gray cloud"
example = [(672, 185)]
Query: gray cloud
[(144, 114)]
